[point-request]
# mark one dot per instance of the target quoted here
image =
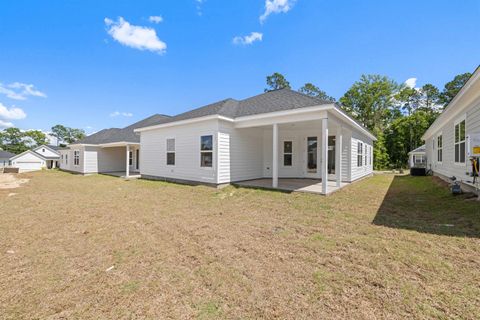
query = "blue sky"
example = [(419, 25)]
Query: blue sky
[(89, 72)]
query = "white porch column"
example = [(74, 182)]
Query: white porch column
[(54, 164), (275, 157), (324, 152), (127, 171), (338, 156)]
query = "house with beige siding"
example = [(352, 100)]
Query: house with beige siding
[(280, 139), (453, 140)]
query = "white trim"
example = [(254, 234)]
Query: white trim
[(105, 145), (355, 124), (47, 147), (207, 151), (450, 110), (460, 119), (280, 113), (28, 151), (76, 165), (183, 122), (267, 115), (117, 144), (440, 134), (174, 151), (291, 140)]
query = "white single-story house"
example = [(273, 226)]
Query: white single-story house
[(5, 158), (279, 139), (417, 158), (454, 138), (111, 151), (36, 159)]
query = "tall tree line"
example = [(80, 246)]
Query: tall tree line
[(396, 114)]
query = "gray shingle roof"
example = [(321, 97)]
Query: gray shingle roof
[(6, 154), (419, 149), (277, 100), (120, 135)]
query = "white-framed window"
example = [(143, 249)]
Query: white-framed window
[(440, 148), (76, 157), (366, 153), (206, 151), (130, 158), (287, 153), (418, 159), (460, 141), (170, 152), (371, 155), (66, 159), (359, 154)]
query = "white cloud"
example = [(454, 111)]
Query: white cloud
[(11, 113), (199, 6), (138, 37), (249, 39), (20, 91), (411, 82), (5, 124), (276, 6), (123, 114), (155, 19)]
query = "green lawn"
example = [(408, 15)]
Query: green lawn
[(97, 247)]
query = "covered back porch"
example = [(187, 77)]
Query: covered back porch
[(120, 160), (307, 154)]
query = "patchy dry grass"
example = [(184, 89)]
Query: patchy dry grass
[(388, 247)]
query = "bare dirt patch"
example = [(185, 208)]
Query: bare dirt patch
[(98, 247), (11, 181)]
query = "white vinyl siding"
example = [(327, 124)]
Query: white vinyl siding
[(240, 153), (28, 162), (365, 168), (448, 167), (46, 152), (153, 154)]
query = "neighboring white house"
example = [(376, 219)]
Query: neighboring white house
[(28, 161), (36, 159), (5, 158), (450, 139), (417, 158), (50, 153), (108, 151), (275, 135)]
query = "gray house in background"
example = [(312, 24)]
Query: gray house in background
[(5, 158), (115, 151)]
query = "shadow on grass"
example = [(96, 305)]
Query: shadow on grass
[(425, 204)]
